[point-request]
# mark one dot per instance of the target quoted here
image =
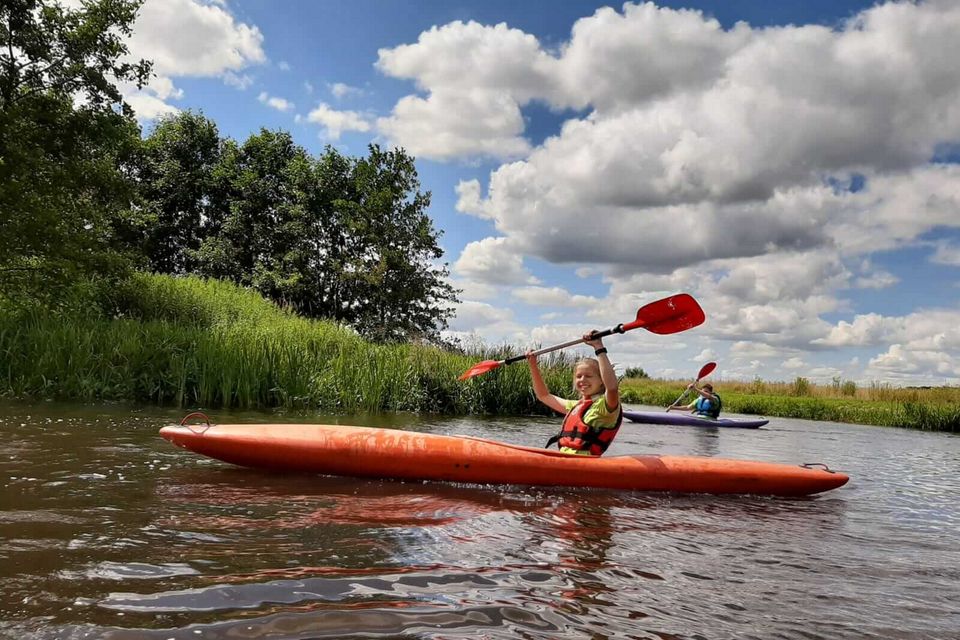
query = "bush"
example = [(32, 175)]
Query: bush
[(801, 387)]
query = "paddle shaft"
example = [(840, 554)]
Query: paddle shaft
[(682, 396), (620, 328), (669, 315)]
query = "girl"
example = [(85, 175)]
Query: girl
[(592, 422)]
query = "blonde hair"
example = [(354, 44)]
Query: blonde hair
[(589, 362)]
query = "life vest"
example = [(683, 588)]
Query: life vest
[(708, 408), (577, 434)]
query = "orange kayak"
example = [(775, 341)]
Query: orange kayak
[(367, 452)]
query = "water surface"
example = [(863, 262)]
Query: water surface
[(108, 531)]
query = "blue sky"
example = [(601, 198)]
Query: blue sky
[(793, 165)]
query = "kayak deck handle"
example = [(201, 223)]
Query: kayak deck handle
[(817, 465), (196, 414)]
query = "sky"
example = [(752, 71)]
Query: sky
[(793, 165)]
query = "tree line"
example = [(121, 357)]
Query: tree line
[(86, 197)]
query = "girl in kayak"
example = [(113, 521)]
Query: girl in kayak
[(707, 405), (592, 422)]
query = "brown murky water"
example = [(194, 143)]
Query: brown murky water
[(108, 531)]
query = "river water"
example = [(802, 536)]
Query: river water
[(109, 532)]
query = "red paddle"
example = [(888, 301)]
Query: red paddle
[(705, 370), (669, 315)]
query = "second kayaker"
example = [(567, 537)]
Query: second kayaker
[(707, 404)]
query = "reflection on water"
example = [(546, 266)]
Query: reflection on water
[(106, 531)]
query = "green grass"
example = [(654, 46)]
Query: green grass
[(204, 343), (935, 409), (200, 343)]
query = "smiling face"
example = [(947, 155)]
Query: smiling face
[(586, 378)]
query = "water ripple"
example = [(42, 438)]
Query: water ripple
[(490, 621)]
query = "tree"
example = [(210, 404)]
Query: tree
[(257, 234), (335, 237), (397, 289), (176, 172), (65, 136)]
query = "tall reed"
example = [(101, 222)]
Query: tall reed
[(204, 343), (209, 344), (927, 409)]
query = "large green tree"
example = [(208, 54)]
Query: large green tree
[(256, 233), (65, 136), (177, 170), (334, 237), (395, 286)]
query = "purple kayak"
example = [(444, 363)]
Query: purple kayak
[(662, 417)]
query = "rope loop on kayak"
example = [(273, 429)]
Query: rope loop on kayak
[(815, 465), (196, 414)]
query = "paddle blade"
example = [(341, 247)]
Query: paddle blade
[(669, 315), (480, 368), (706, 370)]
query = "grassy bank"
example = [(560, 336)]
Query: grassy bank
[(198, 343), (206, 344), (934, 409)]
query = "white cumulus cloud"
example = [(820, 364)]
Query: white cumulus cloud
[(189, 38), (280, 104), (493, 261), (336, 122)]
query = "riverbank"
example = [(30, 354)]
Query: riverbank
[(934, 409), (191, 343), (204, 343)]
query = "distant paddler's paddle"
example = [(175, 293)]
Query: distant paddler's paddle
[(705, 370), (669, 315)]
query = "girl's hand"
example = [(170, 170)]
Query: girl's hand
[(531, 357), (588, 338)]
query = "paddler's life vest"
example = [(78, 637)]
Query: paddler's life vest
[(708, 408), (577, 434)]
